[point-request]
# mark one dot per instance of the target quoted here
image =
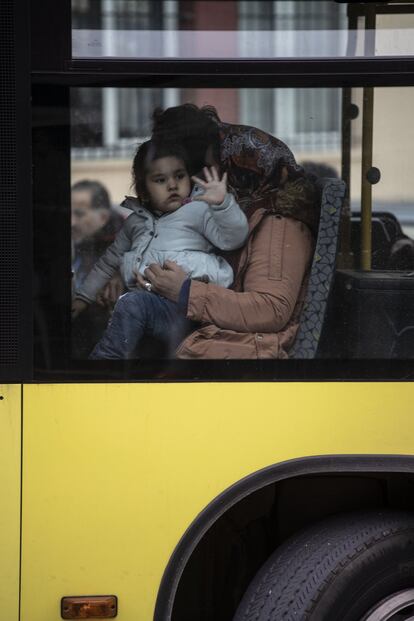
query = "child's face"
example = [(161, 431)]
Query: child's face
[(168, 183)]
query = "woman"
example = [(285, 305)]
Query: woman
[(259, 317)]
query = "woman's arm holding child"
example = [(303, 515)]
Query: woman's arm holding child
[(272, 282), (280, 255)]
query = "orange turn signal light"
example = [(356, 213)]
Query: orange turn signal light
[(89, 607)]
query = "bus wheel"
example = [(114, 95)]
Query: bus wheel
[(353, 567)]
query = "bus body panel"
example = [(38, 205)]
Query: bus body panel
[(10, 471), (115, 473)]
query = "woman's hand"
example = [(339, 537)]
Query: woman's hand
[(215, 190), (78, 306), (166, 280)]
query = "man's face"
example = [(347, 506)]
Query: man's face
[(86, 220)]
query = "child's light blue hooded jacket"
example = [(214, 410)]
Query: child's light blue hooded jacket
[(187, 236)]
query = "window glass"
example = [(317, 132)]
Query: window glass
[(354, 295), (310, 122), (236, 29), (392, 133)]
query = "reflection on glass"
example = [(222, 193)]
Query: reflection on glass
[(102, 154), (107, 129), (253, 29), (104, 141)]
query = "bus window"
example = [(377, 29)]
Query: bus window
[(375, 297), (351, 282), (109, 124), (103, 150), (246, 29)]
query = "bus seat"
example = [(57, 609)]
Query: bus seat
[(391, 222), (386, 235), (322, 269), (382, 239)]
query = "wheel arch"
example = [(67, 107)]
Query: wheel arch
[(254, 482)]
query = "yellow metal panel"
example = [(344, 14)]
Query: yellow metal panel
[(115, 473), (10, 458)]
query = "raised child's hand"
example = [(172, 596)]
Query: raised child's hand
[(215, 190)]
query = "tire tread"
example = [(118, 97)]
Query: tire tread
[(291, 583)]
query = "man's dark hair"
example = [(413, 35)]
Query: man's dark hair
[(193, 127), (146, 153), (99, 194)]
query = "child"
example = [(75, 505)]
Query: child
[(169, 222)]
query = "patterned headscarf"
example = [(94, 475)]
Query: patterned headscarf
[(262, 172)]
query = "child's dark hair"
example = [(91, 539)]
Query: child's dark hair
[(146, 153)]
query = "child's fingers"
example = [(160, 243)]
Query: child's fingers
[(199, 181), (215, 173), (224, 178), (207, 174)]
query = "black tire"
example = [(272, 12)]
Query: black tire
[(336, 570)]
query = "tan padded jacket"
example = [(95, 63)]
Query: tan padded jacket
[(259, 317)]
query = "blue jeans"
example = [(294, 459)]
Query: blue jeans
[(138, 314)]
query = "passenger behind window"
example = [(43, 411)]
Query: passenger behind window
[(169, 222), (94, 226), (259, 316)]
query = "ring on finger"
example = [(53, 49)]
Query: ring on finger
[(148, 286)]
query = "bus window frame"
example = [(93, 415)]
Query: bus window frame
[(51, 83), (52, 61)]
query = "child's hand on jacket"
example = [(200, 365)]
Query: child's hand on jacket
[(215, 189)]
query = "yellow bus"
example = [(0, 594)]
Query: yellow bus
[(208, 490)]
